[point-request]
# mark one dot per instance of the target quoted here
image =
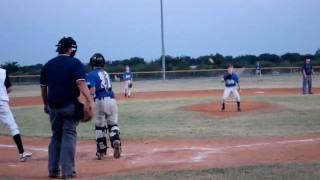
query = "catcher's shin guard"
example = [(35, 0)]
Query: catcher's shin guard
[(101, 141), (114, 134)]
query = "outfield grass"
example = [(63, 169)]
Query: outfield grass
[(275, 172), (144, 119)]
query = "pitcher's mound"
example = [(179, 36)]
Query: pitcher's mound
[(214, 109)]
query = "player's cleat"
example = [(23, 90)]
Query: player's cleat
[(117, 149), (239, 109), (25, 156), (223, 110), (100, 155)]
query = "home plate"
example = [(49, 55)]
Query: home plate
[(260, 92)]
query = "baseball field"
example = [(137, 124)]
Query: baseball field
[(174, 130)]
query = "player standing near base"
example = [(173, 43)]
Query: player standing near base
[(127, 78), (232, 82), (307, 72), (100, 87), (6, 116)]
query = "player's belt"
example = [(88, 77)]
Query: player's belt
[(103, 98)]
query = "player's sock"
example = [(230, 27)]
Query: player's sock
[(223, 106), (238, 104), (18, 141)]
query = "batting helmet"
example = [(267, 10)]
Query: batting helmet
[(97, 60), (65, 43)]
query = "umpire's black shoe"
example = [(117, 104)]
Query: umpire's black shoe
[(73, 175), (54, 174)]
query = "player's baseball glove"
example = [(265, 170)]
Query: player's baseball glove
[(83, 113), (229, 76), (130, 85)]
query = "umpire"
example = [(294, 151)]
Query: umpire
[(307, 72), (62, 79)]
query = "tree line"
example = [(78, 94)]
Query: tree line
[(213, 61)]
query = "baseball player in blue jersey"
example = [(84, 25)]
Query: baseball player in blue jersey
[(106, 107), (127, 78), (258, 70), (232, 82)]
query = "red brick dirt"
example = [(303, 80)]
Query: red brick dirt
[(247, 108), (164, 155), (169, 154)]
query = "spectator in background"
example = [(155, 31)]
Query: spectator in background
[(258, 70), (307, 71)]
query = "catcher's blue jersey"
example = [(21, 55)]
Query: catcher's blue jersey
[(127, 76), (231, 80), (100, 79)]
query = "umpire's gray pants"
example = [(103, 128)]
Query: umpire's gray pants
[(62, 146), (307, 84)]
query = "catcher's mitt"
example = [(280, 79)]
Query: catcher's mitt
[(83, 112), (130, 85)]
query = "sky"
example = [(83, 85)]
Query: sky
[(120, 29)]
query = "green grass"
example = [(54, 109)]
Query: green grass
[(260, 172), (162, 118)]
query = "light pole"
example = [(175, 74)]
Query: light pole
[(163, 51)]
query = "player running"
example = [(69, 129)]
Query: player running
[(231, 81), (127, 78), (106, 107), (6, 116)]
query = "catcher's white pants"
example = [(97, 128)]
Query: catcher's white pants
[(228, 91), (127, 90), (6, 118), (106, 112)]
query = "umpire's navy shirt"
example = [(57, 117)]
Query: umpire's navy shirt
[(60, 75), (307, 68)]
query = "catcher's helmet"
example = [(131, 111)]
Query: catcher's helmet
[(65, 43), (97, 60)]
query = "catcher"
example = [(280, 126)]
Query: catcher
[(100, 87), (127, 78), (231, 81)]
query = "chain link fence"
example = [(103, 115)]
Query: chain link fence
[(273, 72)]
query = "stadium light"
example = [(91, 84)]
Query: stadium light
[(163, 55)]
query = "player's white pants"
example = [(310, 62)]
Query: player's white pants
[(127, 90), (106, 112), (6, 118), (228, 91)]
